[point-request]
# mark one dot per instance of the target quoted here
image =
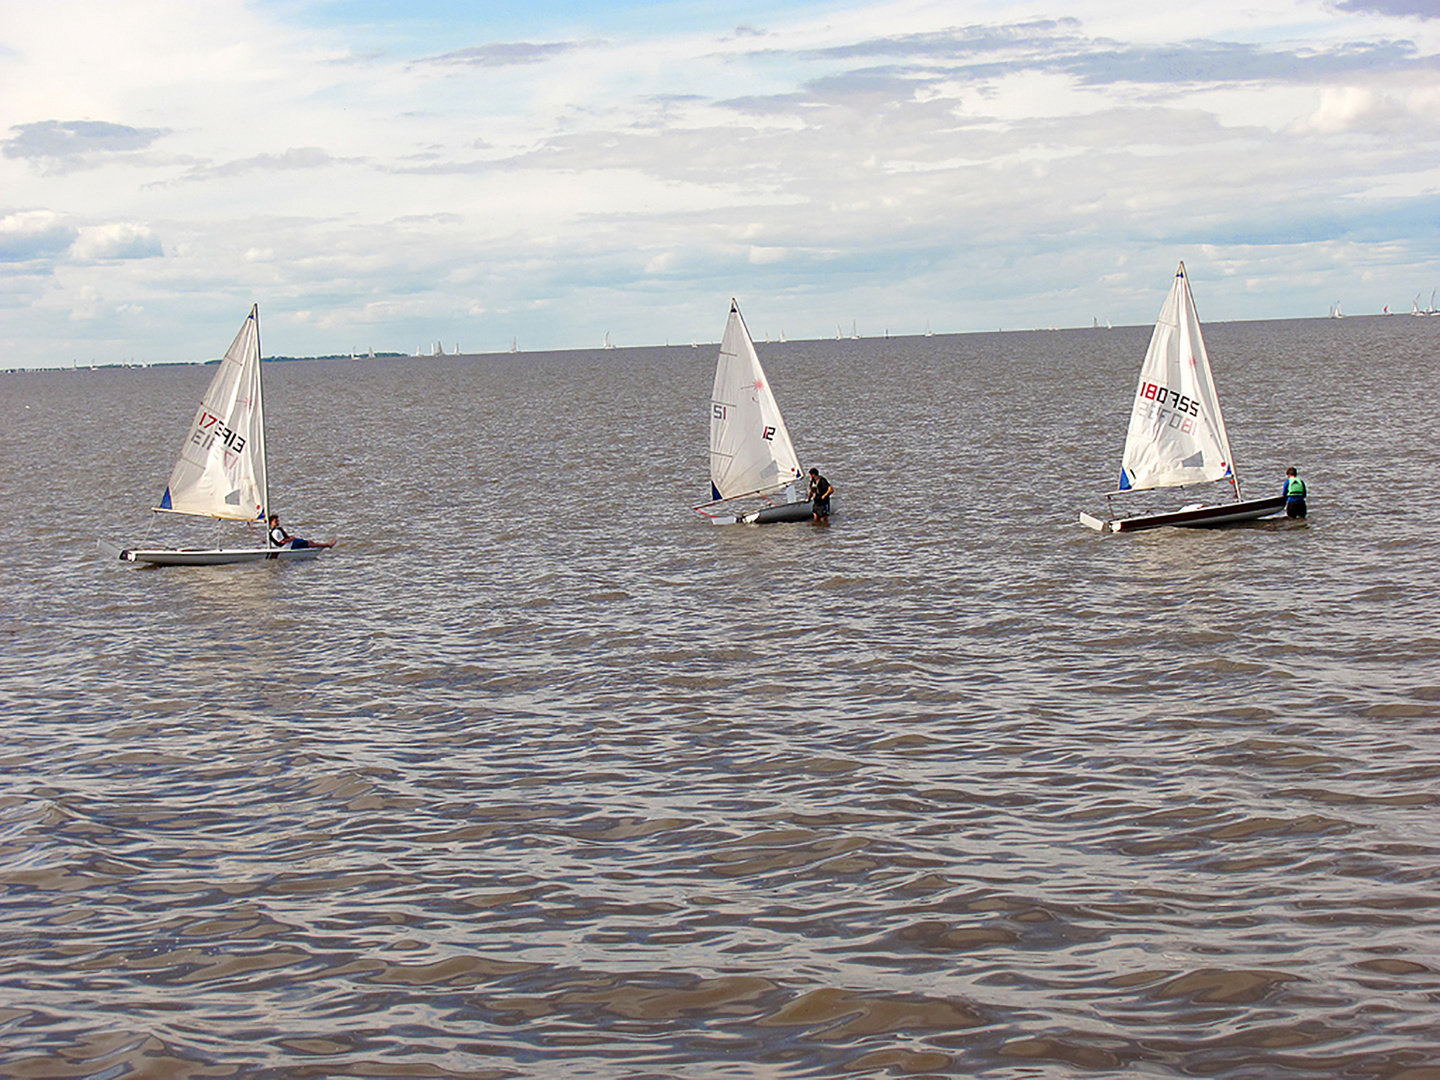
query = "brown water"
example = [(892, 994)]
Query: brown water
[(538, 774)]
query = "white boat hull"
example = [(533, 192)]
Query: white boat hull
[(1202, 517), (208, 556)]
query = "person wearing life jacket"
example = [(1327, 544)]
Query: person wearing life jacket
[(279, 538), (1294, 494)]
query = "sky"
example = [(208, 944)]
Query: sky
[(387, 176)]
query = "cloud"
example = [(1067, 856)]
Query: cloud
[(961, 42), (70, 144), (303, 157), (34, 234), (1355, 109), (1059, 46), (120, 240), (503, 54), (1421, 9), (1231, 62)]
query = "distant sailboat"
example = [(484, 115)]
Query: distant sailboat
[(755, 477), (1177, 436), (515, 345), (221, 471), (854, 333), (607, 344)]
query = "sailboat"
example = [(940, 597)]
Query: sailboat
[(755, 477), (1177, 436), (221, 471)]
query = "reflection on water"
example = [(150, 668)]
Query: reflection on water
[(540, 773)]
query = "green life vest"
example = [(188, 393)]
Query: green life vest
[(1295, 488)]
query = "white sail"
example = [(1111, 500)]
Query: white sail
[(221, 471), (1176, 435), (750, 449)]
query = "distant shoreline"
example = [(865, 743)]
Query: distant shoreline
[(703, 344)]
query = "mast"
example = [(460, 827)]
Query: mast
[(1191, 309), (260, 409)]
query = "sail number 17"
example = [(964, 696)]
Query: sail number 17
[(210, 427)]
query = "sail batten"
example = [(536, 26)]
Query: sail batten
[(221, 470), (1177, 434), (750, 447)]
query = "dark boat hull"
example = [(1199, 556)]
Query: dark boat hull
[(1203, 517), (796, 511)]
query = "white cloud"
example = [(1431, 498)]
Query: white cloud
[(120, 240), (34, 234)]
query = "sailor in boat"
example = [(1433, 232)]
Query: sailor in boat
[(1294, 494), (281, 539), (820, 492)]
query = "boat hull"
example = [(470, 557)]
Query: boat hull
[(796, 511), (208, 556), (1203, 517)]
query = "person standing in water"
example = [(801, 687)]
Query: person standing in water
[(1294, 494), (820, 492)]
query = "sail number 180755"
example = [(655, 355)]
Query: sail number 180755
[(1163, 395)]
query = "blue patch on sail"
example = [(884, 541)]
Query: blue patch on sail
[(714, 492), (1124, 480), (165, 502)]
